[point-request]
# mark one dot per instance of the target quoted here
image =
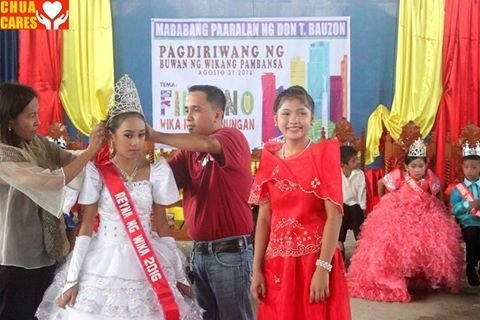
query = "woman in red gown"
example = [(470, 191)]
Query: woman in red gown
[(298, 272)]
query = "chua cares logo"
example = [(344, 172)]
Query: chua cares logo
[(34, 14)]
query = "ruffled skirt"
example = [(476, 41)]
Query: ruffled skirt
[(112, 285), (406, 241)]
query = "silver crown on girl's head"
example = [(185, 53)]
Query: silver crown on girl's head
[(468, 150), (417, 149), (124, 98)]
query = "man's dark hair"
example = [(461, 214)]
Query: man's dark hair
[(214, 94)]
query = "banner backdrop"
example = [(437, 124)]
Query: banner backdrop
[(251, 60)]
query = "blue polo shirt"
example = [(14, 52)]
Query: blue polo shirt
[(461, 208)]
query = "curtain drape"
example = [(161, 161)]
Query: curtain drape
[(371, 179), (418, 85), (459, 103), (40, 66), (8, 55), (88, 73)]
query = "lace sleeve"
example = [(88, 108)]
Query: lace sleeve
[(44, 186), (259, 192), (392, 179), (165, 190), (92, 185)]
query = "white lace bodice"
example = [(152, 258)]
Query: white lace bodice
[(160, 189), (140, 193), (111, 226)]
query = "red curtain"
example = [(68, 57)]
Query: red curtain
[(459, 104), (40, 66), (371, 179)]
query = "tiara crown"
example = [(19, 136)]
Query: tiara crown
[(124, 98), (417, 149), (468, 150)]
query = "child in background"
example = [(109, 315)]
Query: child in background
[(408, 239), (354, 195), (298, 272), (464, 199)]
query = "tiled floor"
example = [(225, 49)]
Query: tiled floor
[(424, 306)]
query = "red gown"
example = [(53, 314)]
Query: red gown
[(296, 189), (409, 239)]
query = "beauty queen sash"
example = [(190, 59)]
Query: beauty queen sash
[(142, 246), (467, 196), (413, 184)]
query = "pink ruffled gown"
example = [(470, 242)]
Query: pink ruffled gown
[(409, 239)]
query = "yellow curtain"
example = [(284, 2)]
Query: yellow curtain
[(87, 80), (418, 77)]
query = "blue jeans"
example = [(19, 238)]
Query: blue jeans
[(222, 283)]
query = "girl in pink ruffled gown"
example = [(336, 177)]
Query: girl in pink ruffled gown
[(409, 239)]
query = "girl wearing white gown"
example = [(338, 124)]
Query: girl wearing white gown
[(103, 278)]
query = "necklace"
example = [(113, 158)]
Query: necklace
[(306, 147), (128, 177)]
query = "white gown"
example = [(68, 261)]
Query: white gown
[(112, 285)]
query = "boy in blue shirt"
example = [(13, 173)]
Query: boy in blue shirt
[(464, 200)]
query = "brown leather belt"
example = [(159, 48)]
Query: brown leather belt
[(231, 246)]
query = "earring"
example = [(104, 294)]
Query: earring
[(111, 150), (9, 129)]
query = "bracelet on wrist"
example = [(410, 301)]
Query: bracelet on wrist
[(323, 264)]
